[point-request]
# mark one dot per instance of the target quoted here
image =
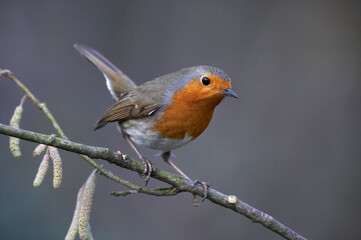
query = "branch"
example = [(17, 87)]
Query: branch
[(124, 161)]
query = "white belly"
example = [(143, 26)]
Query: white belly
[(142, 135)]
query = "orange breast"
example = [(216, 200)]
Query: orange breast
[(189, 113)]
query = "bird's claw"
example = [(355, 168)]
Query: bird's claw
[(205, 187), (148, 170)]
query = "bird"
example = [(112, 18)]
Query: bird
[(164, 113)]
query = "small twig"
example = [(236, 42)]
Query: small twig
[(159, 192), (30, 95), (123, 193), (36, 101)]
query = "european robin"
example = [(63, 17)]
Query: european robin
[(164, 113)]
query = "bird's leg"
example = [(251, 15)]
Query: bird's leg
[(205, 186), (148, 166), (166, 158)]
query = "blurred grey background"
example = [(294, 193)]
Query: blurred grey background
[(289, 146)]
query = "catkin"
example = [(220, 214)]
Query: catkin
[(86, 204), (73, 229), (39, 150), (15, 122), (57, 166), (43, 169)]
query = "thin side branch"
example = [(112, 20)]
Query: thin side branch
[(159, 192), (42, 106), (125, 161)]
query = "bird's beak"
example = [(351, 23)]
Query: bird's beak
[(229, 92)]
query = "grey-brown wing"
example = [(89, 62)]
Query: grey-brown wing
[(130, 106), (117, 82)]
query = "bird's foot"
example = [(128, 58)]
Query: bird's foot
[(148, 170), (205, 187)]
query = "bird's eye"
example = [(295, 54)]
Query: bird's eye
[(205, 81)]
